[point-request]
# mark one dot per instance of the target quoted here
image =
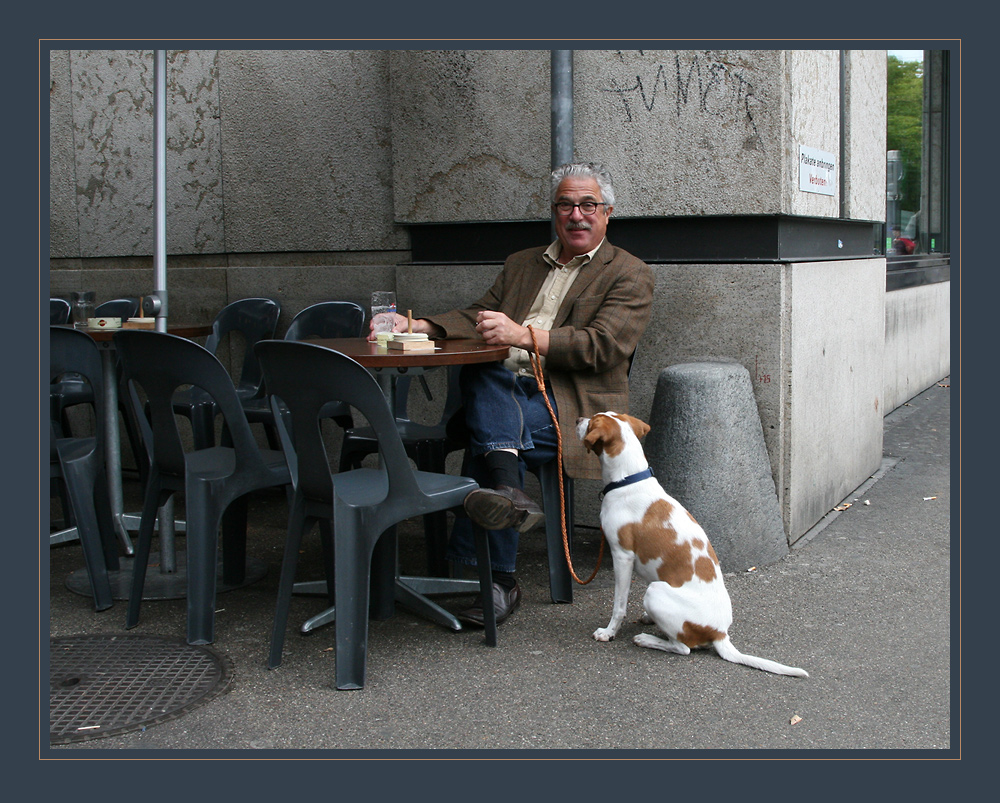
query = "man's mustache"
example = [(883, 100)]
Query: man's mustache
[(572, 225)]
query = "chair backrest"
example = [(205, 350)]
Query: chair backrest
[(327, 319), (161, 364), (74, 352), (302, 378), (117, 308), (58, 311), (255, 319)]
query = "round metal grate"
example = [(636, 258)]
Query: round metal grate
[(104, 685)]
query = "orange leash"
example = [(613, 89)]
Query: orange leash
[(537, 368)]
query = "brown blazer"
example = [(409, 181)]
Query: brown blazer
[(595, 332)]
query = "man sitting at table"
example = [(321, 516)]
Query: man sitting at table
[(588, 304)]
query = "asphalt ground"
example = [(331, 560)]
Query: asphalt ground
[(863, 603)]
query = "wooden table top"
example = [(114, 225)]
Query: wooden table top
[(446, 352), (181, 330)]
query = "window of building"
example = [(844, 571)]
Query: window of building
[(917, 160)]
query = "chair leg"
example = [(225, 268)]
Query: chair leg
[(57, 487), (153, 501), (297, 525), (382, 570), (560, 581), (486, 584), (326, 541), (431, 457), (352, 572), (234, 541), (271, 433), (203, 521), (203, 425), (106, 524), (80, 487), (349, 458)]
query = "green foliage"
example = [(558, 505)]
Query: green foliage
[(904, 123)]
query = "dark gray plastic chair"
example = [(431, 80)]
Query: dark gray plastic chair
[(58, 311), (249, 319), (428, 445), (215, 480), (326, 319), (123, 308), (361, 505), (78, 462), (68, 390)]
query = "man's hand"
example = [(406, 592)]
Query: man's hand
[(497, 329)]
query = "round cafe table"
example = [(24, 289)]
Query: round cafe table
[(386, 364)]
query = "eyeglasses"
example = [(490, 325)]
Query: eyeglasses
[(587, 207)]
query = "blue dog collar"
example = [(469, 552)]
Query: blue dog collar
[(642, 475)]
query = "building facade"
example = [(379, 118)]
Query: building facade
[(753, 182)]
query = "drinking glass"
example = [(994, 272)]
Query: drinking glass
[(82, 305), (383, 310)]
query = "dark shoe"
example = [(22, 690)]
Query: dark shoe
[(504, 603), (501, 507)]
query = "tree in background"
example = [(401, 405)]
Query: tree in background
[(904, 123)]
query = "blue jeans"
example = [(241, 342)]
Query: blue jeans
[(502, 411)]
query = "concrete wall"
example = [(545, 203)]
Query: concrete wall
[(685, 132), (470, 135), (267, 152), (865, 103), (834, 377), (917, 340)]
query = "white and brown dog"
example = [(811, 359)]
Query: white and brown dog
[(651, 532)]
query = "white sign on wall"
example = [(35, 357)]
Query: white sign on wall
[(817, 171)]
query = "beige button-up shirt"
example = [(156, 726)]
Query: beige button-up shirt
[(543, 310)]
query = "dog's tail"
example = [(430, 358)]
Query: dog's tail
[(724, 647)]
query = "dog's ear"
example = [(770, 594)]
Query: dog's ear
[(640, 428), (593, 441)]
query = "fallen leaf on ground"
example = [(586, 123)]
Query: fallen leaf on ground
[(795, 720), (843, 506)]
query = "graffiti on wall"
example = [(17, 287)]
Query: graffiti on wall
[(691, 81)]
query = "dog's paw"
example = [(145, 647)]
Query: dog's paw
[(604, 634)]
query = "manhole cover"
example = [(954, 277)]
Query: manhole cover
[(104, 685)]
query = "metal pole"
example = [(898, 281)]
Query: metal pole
[(561, 67), (562, 107), (159, 301), (168, 557)]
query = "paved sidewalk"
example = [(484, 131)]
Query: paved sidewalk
[(863, 603)]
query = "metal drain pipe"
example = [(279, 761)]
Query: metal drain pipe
[(155, 304), (561, 68)]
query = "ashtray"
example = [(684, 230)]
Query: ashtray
[(104, 323)]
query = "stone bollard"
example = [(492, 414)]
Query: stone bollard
[(706, 447)]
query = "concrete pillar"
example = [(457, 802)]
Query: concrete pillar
[(706, 447)]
